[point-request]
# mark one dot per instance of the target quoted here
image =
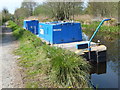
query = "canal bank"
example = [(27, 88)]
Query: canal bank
[(46, 66)]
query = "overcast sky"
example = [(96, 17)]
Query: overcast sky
[(11, 5)]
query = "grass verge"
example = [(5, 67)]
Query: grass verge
[(48, 67), (107, 29)]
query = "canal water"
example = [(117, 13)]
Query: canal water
[(106, 75)]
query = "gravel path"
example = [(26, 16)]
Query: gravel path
[(11, 77)]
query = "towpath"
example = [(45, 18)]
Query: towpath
[(10, 76)]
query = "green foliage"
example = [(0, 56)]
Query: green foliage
[(21, 13), (5, 16), (18, 33), (29, 6), (0, 18), (104, 9), (12, 25), (61, 67), (59, 10), (42, 10), (108, 29)]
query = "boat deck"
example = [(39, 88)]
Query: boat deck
[(72, 47), (98, 52)]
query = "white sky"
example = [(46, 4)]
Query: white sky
[(11, 5)]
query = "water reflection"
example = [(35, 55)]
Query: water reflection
[(98, 68), (113, 46), (105, 75), (96, 56)]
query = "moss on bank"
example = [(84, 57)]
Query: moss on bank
[(45, 66)]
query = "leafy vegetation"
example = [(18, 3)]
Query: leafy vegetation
[(0, 18), (59, 10), (29, 5), (102, 9), (47, 66), (107, 29), (5, 16)]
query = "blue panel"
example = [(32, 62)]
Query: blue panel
[(31, 25), (60, 32), (69, 32), (24, 24), (45, 32)]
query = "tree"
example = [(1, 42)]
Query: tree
[(5, 15), (20, 14), (63, 10), (30, 5), (0, 18), (60, 10), (103, 9), (42, 9)]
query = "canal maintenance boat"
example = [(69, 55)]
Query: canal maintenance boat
[(68, 35)]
